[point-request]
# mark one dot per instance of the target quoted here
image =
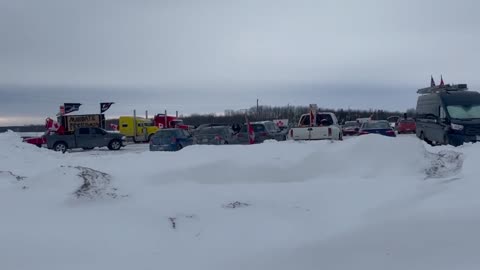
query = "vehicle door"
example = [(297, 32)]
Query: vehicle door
[(242, 136), (440, 128), (83, 138), (260, 133), (98, 137), (187, 137), (204, 136), (142, 132), (429, 124)]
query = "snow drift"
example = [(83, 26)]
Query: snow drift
[(365, 203)]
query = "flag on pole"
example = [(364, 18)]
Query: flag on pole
[(432, 81), (441, 81), (104, 106), (313, 113), (251, 134), (71, 107)]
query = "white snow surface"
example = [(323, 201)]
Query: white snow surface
[(369, 202)]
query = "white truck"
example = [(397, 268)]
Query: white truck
[(324, 127)]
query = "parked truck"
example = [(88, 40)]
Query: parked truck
[(66, 124), (147, 127), (316, 126), (85, 138)]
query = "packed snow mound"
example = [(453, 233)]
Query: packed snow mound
[(385, 203), (366, 157)]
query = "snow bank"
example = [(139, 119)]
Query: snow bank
[(365, 203)]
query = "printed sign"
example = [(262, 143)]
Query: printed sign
[(78, 121)]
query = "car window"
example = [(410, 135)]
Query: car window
[(324, 117), (258, 128), (305, 121), (83, 131), (350, 124), (209, 131), (97, 131), (376, 125), (165, 133), (271, 127)]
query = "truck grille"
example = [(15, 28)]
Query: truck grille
[(474, 130)]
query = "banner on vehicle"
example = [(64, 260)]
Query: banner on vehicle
[(73, 122)]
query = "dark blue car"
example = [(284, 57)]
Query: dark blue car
[(377, 127), (170, 139)]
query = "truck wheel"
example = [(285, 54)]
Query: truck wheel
[(115, 145), (179, 147), (60, 147)]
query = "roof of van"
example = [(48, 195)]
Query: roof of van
[(460, 97)]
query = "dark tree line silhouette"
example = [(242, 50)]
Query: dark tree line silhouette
[(292, 113)]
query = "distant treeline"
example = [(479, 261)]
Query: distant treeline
[(292, 113)]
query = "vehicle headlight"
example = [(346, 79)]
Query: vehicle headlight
[(456, 126), (124, 138)]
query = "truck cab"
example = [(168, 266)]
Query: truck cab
[(145, 128), (325, 126)]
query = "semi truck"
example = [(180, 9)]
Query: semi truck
[(146, 128)]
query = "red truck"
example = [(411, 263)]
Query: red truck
[(171, 122)]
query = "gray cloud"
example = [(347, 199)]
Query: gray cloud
[(178, 46)]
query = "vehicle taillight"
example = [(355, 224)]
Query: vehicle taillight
[(390, 132), (218, 138), (362, 133), (329, 131)]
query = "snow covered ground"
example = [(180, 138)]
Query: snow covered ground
[(369, 202)]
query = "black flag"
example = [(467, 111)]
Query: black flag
[(71, 107), (104, 106)]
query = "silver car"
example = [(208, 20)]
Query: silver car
[(215, 135)]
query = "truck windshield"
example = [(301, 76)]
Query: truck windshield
[(464, 111)]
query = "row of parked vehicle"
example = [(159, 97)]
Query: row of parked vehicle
[(172, 139), (383, 127), (445, 114)]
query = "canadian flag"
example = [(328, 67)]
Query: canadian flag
[(51, 125), (251, 134)]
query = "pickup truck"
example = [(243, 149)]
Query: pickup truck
[(325, 128), (86, 138)]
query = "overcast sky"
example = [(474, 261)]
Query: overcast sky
[(207, 56)]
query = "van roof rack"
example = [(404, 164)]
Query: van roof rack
[(441, 88)]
